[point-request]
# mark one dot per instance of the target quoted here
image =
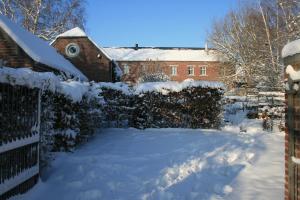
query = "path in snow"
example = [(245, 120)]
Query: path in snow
[(172, 164)]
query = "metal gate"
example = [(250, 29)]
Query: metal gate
[(19, 139)]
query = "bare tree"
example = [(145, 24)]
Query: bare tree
[(290, 10), (251, 39), (45, 18)]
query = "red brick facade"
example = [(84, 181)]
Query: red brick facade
[(91, 61), (138, 68)]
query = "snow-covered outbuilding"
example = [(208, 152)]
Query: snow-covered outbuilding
[(20, 48), (85, 54), (291, 58)]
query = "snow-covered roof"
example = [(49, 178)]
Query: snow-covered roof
[(291, 48), (38, 49), (78, 32), (74, 32), (162, 54)]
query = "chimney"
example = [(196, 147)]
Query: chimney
[(136, 46), (206, 48)]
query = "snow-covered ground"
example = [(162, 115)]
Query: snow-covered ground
[(172, 164)]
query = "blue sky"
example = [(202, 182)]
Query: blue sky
[(183, 23)]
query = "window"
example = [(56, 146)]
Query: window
[(72, 50), (203, 71), (126, 69), (191, 70), (144, 68), (173, 70)]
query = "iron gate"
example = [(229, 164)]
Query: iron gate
[(19, 139)]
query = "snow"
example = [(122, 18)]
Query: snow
[(74, 90), (296, 160), (281, 94), (38, 49), (75, 32), (120, 86), (291, 49), (173, 86), (118, 70), (171, 164), (156, 54), (294, 75)]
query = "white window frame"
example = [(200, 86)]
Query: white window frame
[(144, 68), (173, 70), (201, 70), (192, 67), (126, 69)]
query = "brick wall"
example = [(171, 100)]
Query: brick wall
[(11, 54), (292, 137), (90, 61), (138, 68)]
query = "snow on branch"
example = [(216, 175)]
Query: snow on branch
[(294, 75), (296, 160)]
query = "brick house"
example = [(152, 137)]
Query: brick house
[(177, 63), (291, 58), (99, 64), (85, 54), (20, 48)]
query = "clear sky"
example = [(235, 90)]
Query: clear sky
[(180, 23)]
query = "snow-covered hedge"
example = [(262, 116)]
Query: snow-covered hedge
[(65, 123), (190, 104)]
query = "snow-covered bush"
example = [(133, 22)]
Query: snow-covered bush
[(194, 105), (65, 122), (118, 105), (154, 77)]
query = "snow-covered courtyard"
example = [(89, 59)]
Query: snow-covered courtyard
[(178, 164)]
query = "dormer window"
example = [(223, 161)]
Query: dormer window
[(72, 50)]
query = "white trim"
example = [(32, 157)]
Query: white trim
[(126, 69), (174, 67), (71, 54), (192, 67), (19, 143), (20, 178), (200, 74)]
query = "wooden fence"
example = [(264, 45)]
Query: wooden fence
[(19, 139)]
